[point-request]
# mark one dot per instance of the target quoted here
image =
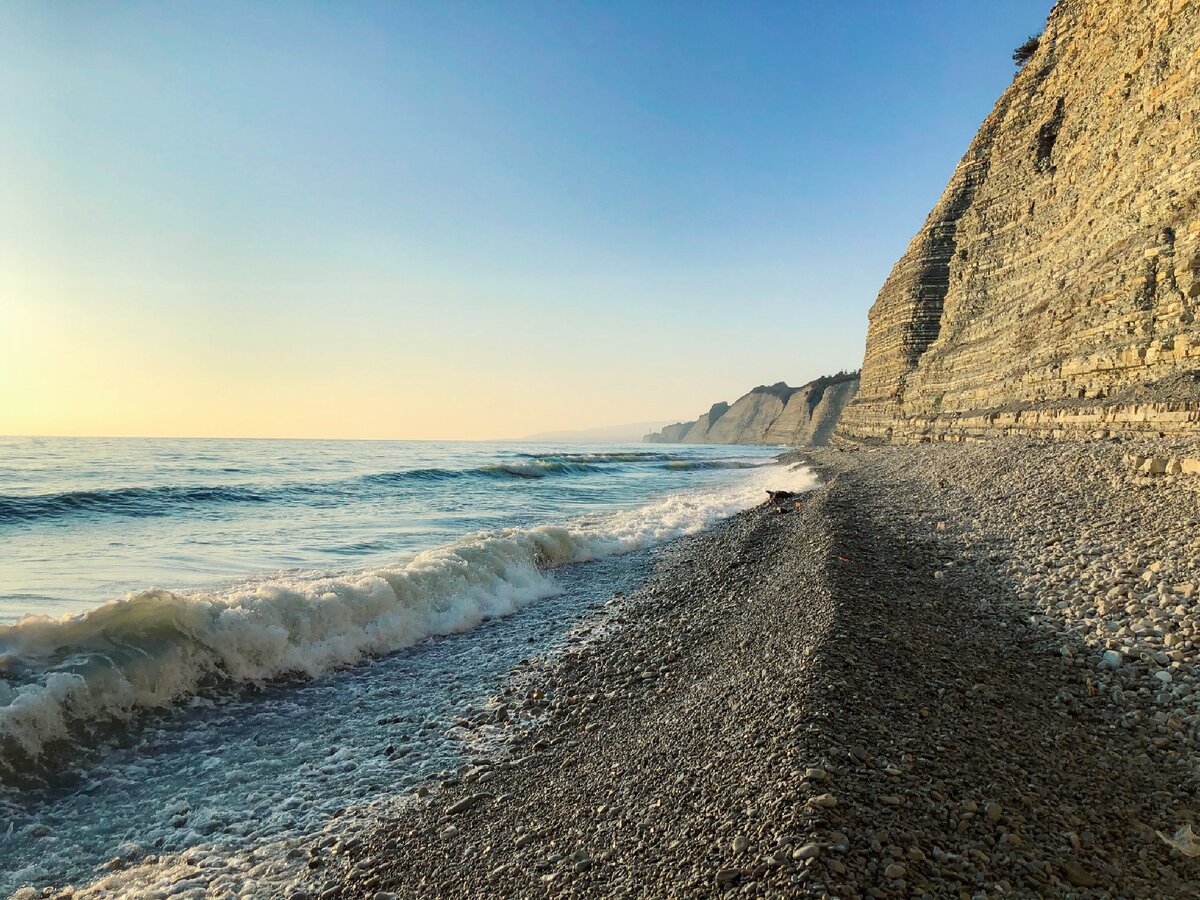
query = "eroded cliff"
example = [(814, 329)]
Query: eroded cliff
[(1053, 289), (770, 414)]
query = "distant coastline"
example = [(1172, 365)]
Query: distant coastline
[(770, 414)]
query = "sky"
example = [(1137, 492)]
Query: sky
[(447, 220)]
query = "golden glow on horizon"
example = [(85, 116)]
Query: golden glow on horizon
[(105, 368)]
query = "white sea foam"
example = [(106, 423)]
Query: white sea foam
[(152, 648)]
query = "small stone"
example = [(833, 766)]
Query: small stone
[(1155, 465), (727, 876), (466, 803), (808, 851), (823, 801), (895, 871), (740, 843), (993, 812), (1077, 874)]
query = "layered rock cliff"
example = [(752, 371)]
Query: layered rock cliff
[(774, 414), (1053, 289)]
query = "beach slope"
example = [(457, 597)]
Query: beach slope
[(859, 696)]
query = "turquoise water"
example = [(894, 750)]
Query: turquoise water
[(213, 647)]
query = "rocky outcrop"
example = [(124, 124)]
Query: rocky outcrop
[(811, 415), (770, 414), (698, 432), (750, 416), (671, 434), (1053, 289)]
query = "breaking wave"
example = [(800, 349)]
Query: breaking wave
[(60, 676), (537, 468)]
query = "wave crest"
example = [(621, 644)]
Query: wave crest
[(537, 468), (140, 501)]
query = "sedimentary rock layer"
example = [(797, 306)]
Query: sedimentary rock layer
[(1054, 287), (774, 414)]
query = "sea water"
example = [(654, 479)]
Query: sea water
[(209, 648)]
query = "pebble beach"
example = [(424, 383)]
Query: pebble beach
[(955, 670)]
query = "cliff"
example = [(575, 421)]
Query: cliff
[(698, 432), (1054, 287), (774, 414)]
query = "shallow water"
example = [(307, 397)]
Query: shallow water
[(334, 607)]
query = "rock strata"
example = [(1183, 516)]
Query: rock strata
[(1053, 289)]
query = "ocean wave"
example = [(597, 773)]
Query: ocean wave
[(601, 458), (537, 468), (163, 500), (411, 475), (690, 465), (141, 502), (130, 501), (61, 676)]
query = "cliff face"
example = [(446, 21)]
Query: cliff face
[(672, 434), (1054, 287), (697, 433), (811, 415), (775, 414)]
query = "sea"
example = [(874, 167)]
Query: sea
[(211, 650)]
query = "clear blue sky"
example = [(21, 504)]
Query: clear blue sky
[(461, 219)]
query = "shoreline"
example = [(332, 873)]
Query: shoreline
[(863, 697)]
